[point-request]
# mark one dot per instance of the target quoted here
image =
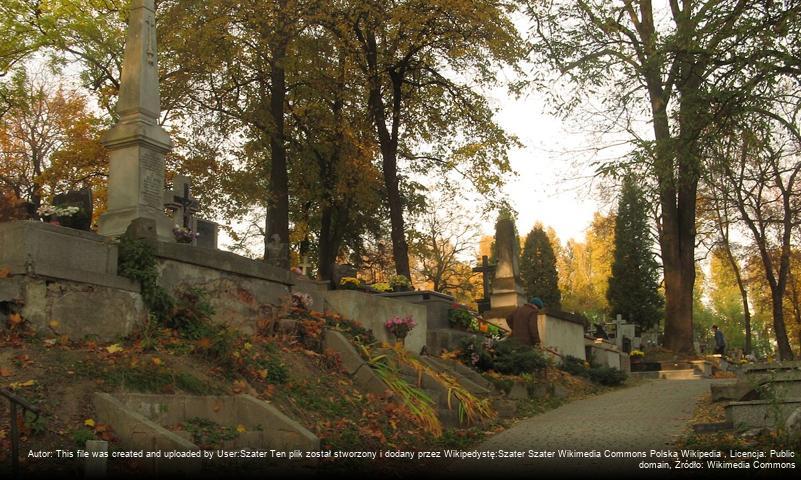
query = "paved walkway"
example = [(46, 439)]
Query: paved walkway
[(641, 418)]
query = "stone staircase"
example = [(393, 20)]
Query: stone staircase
[(447, 404), (678, 370)]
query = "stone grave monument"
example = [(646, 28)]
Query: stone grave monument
[(184, 206), (137, 143), (507, 289)]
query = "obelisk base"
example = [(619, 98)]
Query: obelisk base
[(114, 223)]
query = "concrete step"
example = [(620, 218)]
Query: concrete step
[(761, 413), (467, 383), (465, 372), (686, 374)]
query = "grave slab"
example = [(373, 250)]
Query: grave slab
[(761, 413)]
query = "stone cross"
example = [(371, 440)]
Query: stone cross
[(305, 265), (180, 200), (137, 143), (485, 270)]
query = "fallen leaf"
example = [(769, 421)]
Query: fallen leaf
[(239, 386), (14, 319), (4, 272), (50, 342), (263, 373), (89, 422), (115, 348), (54, 324), (5, 372), (241, 428), (156, 361), (18, 385)]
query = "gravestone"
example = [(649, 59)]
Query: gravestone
[(207, 233), (137, 143), (277, 252), (507, 289), (344, 270), (82, 199)]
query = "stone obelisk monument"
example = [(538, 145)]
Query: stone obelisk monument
[(507, 290), (137, 143)]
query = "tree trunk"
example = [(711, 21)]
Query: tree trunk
[(388, 141), (278, 204), (327, 251), (743, 294), (779, 328)]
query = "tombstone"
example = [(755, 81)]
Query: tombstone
[(507, 289), (137, 143), (207, 233), (82, 220), (344, 270), (277, 252), (485, 270)]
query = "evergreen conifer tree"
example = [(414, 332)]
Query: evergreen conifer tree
[(538, 268), (634, 284)]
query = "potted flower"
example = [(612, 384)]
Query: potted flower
[(381, 287), (636, 357), (400, 326), (400, 283), (350, 283), (52, 214), (184, 234)]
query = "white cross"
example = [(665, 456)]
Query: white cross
[(304, 267)]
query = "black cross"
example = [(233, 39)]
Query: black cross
[(485, 269), (189, 206)]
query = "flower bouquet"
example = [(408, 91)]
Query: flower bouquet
[(400, 326)]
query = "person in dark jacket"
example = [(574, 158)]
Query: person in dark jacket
[(720, 342), (523, 322)]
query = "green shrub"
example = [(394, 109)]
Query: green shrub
[(477, 353), (459, 317), (607, 376), (598, 374), (575, 366), (508, 357), (514, 358), (192, 309), (137, 261)]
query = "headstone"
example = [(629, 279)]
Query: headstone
[(344, 270), (207, 233), (277, 252), (82, 199), (137, 143), (507, 289)]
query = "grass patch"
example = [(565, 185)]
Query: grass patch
[(157, 381)]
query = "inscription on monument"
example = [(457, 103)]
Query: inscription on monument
[(152, 179)]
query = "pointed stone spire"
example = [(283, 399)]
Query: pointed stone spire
[(137, 143), (139, 86)]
